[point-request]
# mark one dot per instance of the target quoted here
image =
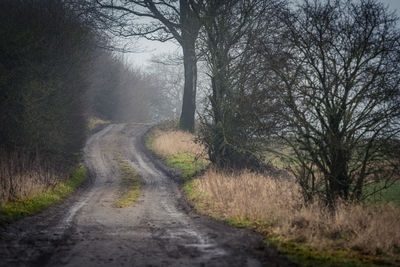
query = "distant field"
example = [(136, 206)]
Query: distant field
[(392, 194)]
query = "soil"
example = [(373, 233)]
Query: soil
[(159, 229)]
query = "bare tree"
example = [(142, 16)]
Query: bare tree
[(229, 128), (166, 90), (339, 74), (162, 21)]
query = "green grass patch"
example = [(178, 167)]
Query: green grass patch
[(306, 256), (27, 206), (391, 194), (188, 187), (187, 162), (194, 196), (149, 139), (129, 187)]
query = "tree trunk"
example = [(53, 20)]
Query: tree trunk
[(190, 24), (186, 122)]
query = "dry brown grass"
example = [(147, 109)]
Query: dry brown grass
[(94, 122), (174, 142), (22, 176), (257, 198), (278, 203)]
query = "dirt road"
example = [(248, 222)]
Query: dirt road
[(158, 230)]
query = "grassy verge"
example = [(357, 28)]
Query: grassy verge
[(358, 235), (178, 150), (282, 228), (294, 251), (129, 187), (187, 162), (30, 205), (308, 256), (94, 122)]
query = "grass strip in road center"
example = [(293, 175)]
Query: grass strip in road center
[(130, 185), (32, 204)]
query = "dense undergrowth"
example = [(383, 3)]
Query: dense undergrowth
[(30, 184), (355, 235), (35, 202)]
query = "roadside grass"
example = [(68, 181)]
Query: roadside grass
[(36, 202), (187, 162), (356, 235), (179, 150), (95, 122), (171, 142), (130, 185)]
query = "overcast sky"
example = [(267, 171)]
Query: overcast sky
[(148, 49)]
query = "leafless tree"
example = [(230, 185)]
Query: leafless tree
[(229, 128), (166, 90), (161, 21), (339, 72)]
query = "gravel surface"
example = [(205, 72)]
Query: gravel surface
[(159, 229)]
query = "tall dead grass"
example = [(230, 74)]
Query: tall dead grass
[(173, 142), (258, 198), (23, 176), (278, 202)]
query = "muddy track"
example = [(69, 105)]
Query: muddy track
[(160, 229)]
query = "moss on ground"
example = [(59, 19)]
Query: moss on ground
[(30, 205)]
